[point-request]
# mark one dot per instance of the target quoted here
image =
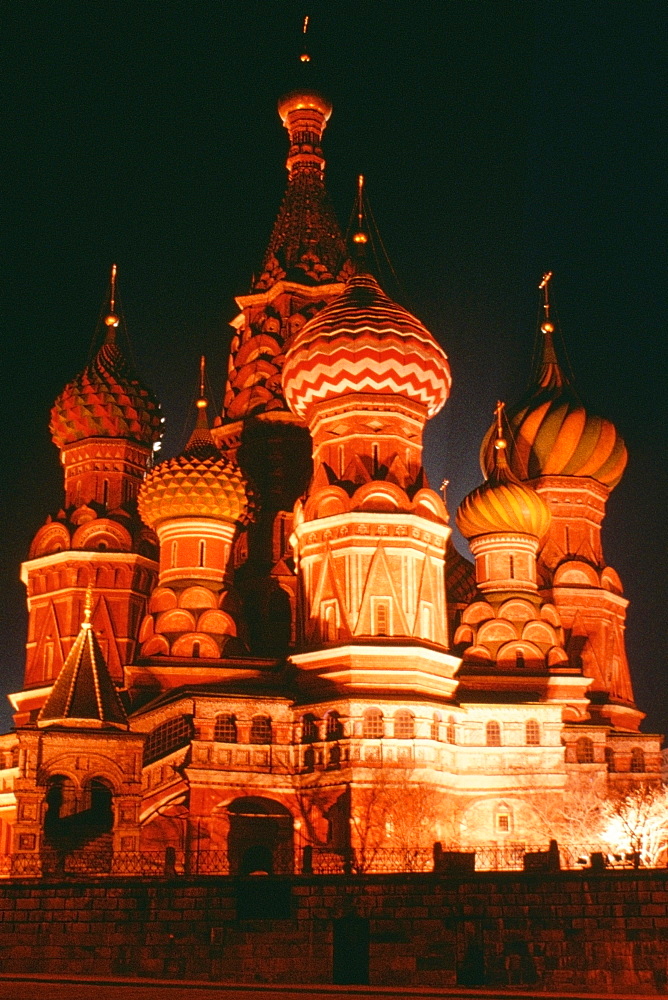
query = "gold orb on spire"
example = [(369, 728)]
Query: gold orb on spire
[(111, 320)]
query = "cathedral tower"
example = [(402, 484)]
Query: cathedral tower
[(104, 423)]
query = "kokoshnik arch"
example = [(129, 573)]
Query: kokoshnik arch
[(239, 646)]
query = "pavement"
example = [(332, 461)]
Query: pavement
[(44, 987)]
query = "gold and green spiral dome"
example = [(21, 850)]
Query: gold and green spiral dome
[(503, 505), (551, 433)]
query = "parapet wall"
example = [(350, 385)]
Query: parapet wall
[(562, 931)]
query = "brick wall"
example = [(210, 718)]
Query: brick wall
[(606, 931)]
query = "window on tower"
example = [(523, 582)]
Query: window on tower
[(493, 734), (404, 725), (372, 724), (260, 729), (532, 733), (584, 750), (226, 729)]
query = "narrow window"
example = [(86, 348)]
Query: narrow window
[(610, 759), (493, 734), (372, 726), (381, 618), (637, 761), (334, 726), (105, 492), (174, 553), (260, 729), (532, 733), (226, 729), (452, 734), (196, 648), (503, 822), (584, 750), (202, 552), (511, 566), (404, 725), (436, 726), (374, 453)]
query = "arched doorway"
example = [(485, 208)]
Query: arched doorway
[(260, 837)]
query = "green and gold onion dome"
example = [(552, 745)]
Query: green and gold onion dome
[(551, 433), (503, 504)]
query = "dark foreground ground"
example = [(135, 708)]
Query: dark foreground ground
[(26, 987)]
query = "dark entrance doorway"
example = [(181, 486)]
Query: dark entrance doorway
[(351, 951), (260, 837)]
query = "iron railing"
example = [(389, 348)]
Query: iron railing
[(457, 859)]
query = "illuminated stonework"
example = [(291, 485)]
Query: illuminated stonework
[(288, 651)]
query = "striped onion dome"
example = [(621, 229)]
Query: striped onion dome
[(106, 400), (551, 433), (200, 482), (363, 342), (503, 504)]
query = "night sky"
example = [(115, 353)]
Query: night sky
[(498, 139)]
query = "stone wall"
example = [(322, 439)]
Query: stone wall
[(567, 930)]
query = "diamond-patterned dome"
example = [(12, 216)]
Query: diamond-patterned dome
[(193, 486), (106, 400)]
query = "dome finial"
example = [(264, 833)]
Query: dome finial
[(88, 607), (360, 237), (547, 326), (305, 57), (111, 319), (202, 402)]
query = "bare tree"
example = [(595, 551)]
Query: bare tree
[(638, 822)]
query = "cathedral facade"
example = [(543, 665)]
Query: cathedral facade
[(269, 642)]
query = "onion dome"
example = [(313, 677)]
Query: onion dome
[(503, 504), (106, 399), (200, 482), (363, 342), (552, 434)]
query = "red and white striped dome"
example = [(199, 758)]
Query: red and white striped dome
[(363, 342)]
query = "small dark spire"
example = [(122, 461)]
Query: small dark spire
[(200, 443), (84, 695), (550, 373)]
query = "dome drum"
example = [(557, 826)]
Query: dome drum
[(505, 562)]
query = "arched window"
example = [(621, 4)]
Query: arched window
[(637, 761), (452, 733), (333, 725), (436, 726), (404, 725), (584, 750), (260, 729), (310, 732), (493, 734), (167, 737), (226, 729), (372, 724), (532, 733), (610, 759), (382, 617)]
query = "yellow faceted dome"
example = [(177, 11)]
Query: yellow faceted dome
[(503, 505), (199, 483), (553, 435)]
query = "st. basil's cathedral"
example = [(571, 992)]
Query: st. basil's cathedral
[(269, 642)]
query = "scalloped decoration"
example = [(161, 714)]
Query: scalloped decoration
[(610, 581), (52, 537), (217, 623), (326, 502), (206, 647), (178, 620), (496, 631), (539, 633), (147, 630), (427, 503), (477, 613), (102, 533), (557, 657), (550, 614), (157, 646), (478, 655), (507, 655), (197, 598), (162, 599), (576, 573), (464, 633), (516, 610)]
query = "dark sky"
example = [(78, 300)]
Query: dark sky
[(499, 139)]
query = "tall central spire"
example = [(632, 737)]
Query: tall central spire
[(306, 245)]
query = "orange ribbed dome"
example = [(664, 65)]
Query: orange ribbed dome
[(503, 504), (553, 435), (363, 342), (105, 400)]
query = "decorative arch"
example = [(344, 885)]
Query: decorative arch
[(197, 598), (196, 645), (327, 502), (102, 532), (178, 620), (162, 599), (260, 837), (50, 538)]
